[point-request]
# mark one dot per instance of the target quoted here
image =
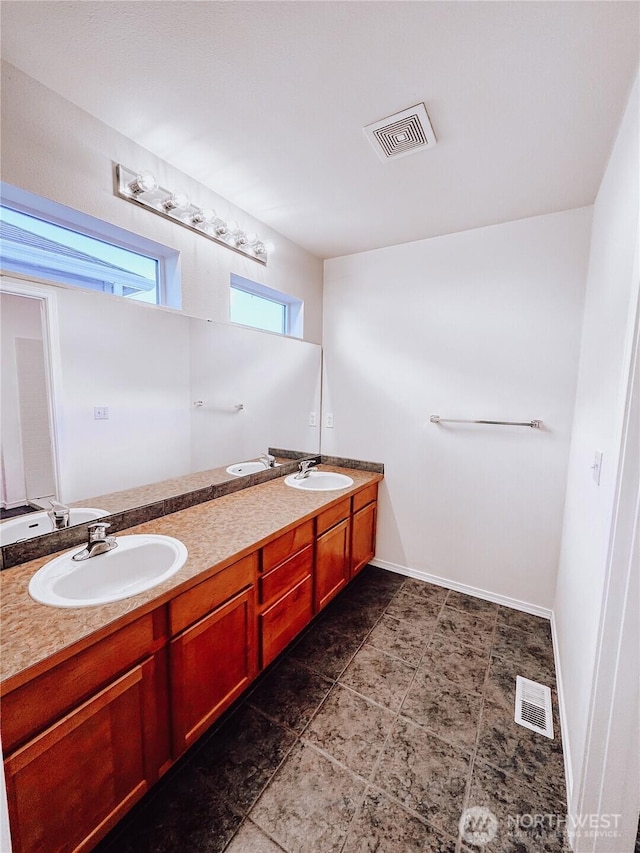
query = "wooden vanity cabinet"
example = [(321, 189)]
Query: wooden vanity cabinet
[(212, 658), (332, 552), (74, 777), (86, 738), (285, 590), (363, 527)]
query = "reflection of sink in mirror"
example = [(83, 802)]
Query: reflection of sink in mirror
[(36, 523), (241, 469), (140, 562), (320, 481)]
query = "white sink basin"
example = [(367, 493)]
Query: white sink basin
[(36, 523), (320, 481), (139, 563), (241, 469)]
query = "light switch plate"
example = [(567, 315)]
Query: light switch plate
[(100, 413), (596, 468)]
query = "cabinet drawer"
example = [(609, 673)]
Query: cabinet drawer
[(333, 515), (38, 703), (366, 496), (285, 546), (284, 619), (281, 579), (193, 604)]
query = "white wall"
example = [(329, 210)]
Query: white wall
[(583, 579), (483, 324), (277, 381), (135, 361), (55, 149)]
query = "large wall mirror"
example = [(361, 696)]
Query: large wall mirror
[(180, 394)]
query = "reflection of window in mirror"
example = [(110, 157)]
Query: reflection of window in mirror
[(48, 241), (253, 304)]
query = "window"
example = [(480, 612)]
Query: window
[(253, 304), (48, 241)]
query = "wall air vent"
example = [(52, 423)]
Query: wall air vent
[(404, 133), (533, 706)]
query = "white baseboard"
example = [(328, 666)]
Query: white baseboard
[(503, 600)]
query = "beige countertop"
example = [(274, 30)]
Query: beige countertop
[(152, 492), (215, 533)]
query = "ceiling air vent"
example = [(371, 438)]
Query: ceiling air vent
[(401, 134), (533, 706)]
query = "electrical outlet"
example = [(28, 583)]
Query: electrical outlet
[(313, 419), (100, 413), (328, 421)]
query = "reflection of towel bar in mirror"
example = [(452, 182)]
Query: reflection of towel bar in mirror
[(436, 419)]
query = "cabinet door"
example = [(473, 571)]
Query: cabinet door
[(284, 619), (211, 663), (332, 563), (363, 537), (67, 787)]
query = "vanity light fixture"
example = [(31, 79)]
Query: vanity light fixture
[(143, 189)]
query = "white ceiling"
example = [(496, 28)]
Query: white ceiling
[(265, 102)]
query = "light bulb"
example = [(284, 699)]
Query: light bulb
[(233, 226), (252, 238), (259, 248), (269, 247), (176, 201), (203, 217), (142, 183), (220, 228), (240, 238)]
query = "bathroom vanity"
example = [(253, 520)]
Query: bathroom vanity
[(99, 702)]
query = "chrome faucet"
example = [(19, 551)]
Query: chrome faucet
[(268, 460), (303, 468), (59, 515), (98, 542)]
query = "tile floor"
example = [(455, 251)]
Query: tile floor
[(388, 718)]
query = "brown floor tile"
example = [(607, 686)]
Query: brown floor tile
[(378, 676), (425, 774), (399, 639), (423, 589), (533, 650), (419, 611), (501, 679), (530, 820), (351, 729), (310, 803), (470, 629), (184, 815), (463, 665), (291, 694), (327, 649), (524, 754), (242, 756), (383, 826), (535, 625), (470, 604), (251, 840), (443, 708)]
